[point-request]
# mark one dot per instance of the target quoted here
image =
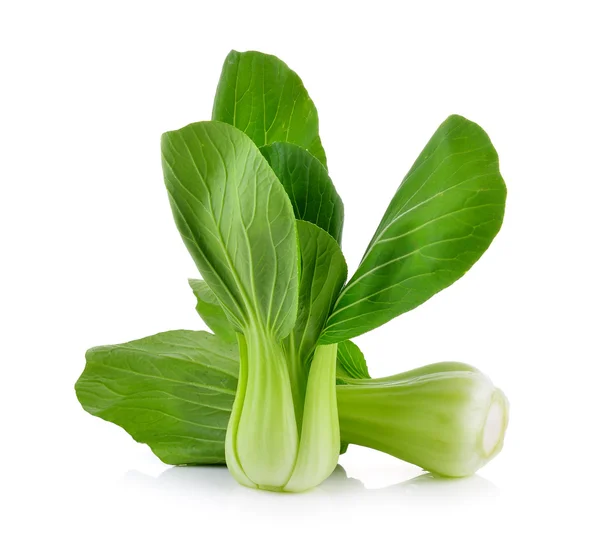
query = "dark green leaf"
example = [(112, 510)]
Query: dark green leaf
[(210, 310), (308, 185), (443, 217), (172, 391), (237, 222), (323, 273), (263, 97)]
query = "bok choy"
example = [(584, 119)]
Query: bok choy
[(279, 387)]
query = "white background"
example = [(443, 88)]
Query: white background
[(90, 256)]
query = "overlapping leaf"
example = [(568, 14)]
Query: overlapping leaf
[(308, 185), (263, 97), (236, 221)]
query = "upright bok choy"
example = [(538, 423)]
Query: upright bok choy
[(239, 226)]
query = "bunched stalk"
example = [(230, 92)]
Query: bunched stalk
[(447, 418), (319, 448), (263, 447)]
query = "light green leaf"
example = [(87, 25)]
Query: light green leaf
[(351, 363), (236, 221), (263, 97), (210, 310), (443, 217), (308, 185), (172, 391)]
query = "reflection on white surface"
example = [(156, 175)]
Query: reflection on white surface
[(199, 483)]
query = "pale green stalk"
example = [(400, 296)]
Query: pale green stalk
[(447, 418), (263, 447)]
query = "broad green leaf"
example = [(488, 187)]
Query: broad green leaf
[(308, 185), (236, 221), (263, 97), (210, 310), (351, 363), (442, 219), (172, 391)]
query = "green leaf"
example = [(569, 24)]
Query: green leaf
[(351, 363), (236, 221), (442, 219), (210, 310), (263, 97), (308, 185), (324, 271), (172, 391)]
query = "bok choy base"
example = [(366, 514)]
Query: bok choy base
[(447, 417)]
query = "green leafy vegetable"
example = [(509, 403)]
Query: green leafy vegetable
[(258, 212), (263, 97), (442, 219), (308, 185)]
